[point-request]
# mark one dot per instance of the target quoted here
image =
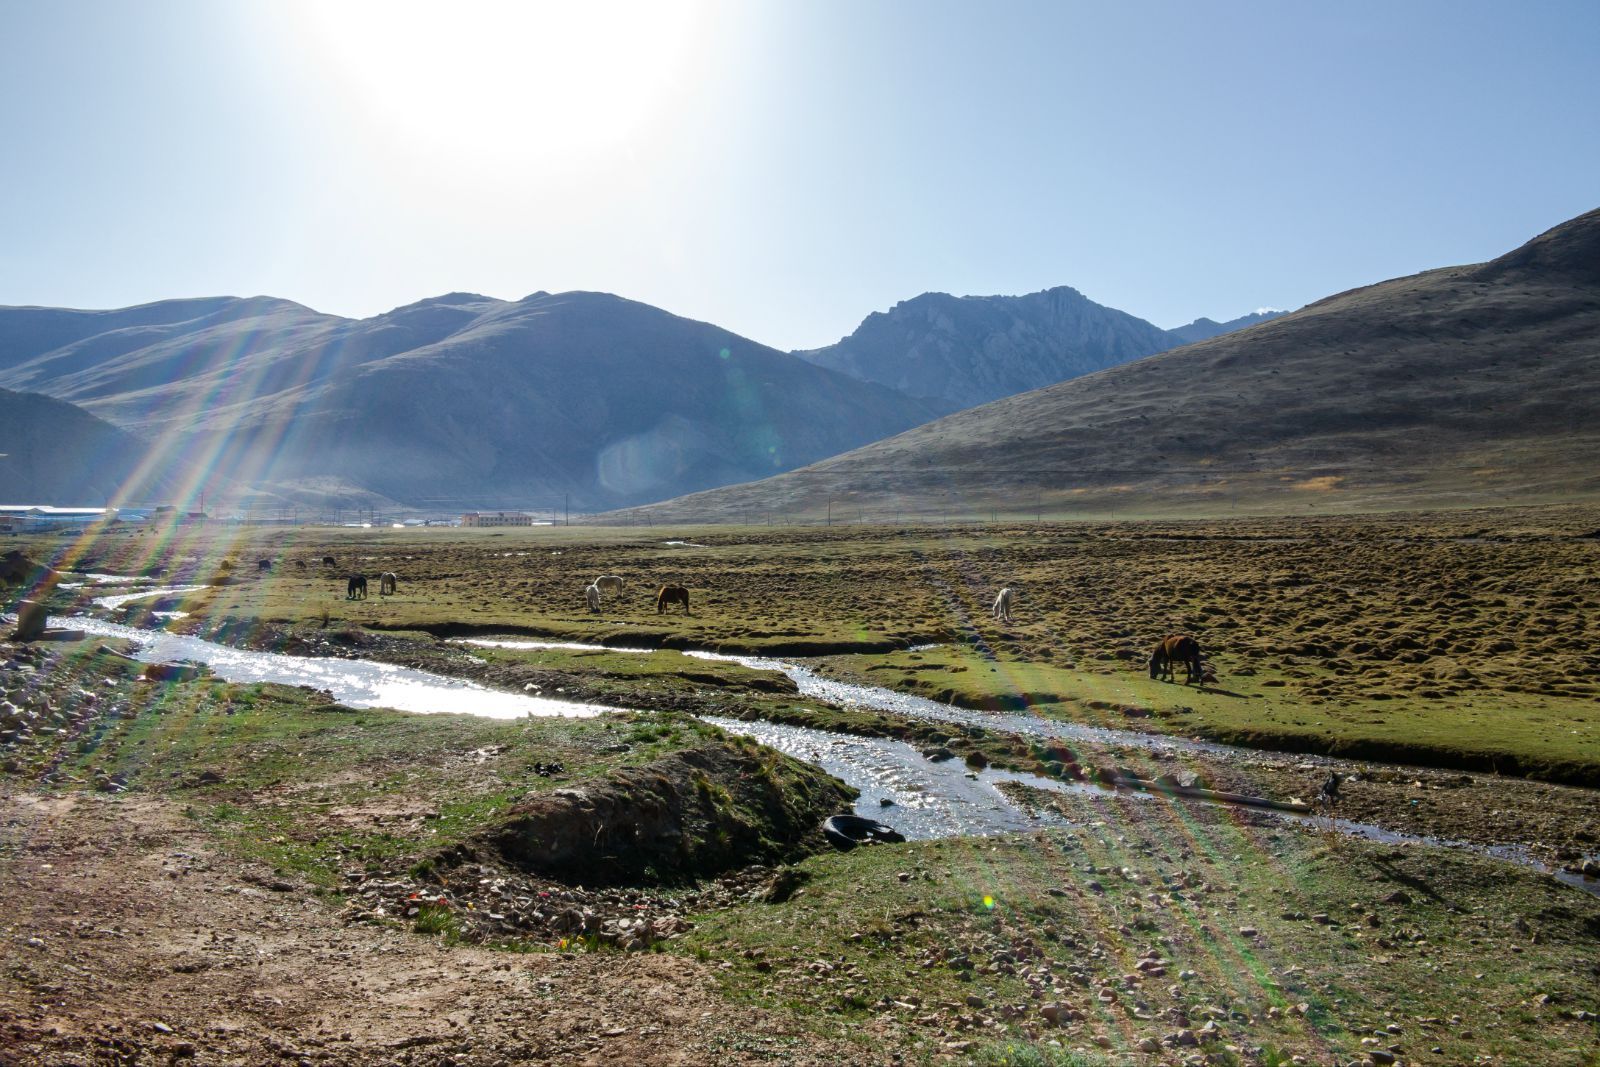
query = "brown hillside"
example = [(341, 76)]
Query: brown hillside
[(1462, 386)]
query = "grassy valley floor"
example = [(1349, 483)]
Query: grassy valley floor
[(341, 881)]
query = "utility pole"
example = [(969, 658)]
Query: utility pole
[(830, 511)]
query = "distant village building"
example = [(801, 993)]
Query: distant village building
[(502, 518), (34, 517)]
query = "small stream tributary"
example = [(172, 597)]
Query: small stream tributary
[(924, 799)]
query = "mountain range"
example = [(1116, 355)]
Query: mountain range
[(962, 351), (579, 399), (456, 401), (1460, 386)]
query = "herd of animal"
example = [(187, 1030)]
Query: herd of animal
[(611, 585), (1177, 648), (1172, 650), (607, 584)]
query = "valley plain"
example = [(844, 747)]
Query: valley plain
[(362, 880)]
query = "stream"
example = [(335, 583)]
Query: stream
[(921, 798)]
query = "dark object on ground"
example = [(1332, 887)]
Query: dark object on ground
[(845, 832), (329, 561), (1177, 648), (171, 672), (545, 770), (1328, 795), (31, 619), (356, 587), (263, 564)]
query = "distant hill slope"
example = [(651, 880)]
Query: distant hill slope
[(54, 453), (967, 350), (1459, 386), (456, 401)]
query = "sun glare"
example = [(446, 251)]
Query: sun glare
[(517, 82)]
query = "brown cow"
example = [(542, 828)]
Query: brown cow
[(672, 594), (1177, 648)]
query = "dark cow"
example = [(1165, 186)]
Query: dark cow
[(1177, 649), (356, 588), (672, 594)]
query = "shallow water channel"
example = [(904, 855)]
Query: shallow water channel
[(925, 799)]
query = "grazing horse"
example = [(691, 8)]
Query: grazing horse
[(263, 564), (356, 588), (591, 593), (609, 583), (1177, 649), (329, 561), (1002, 604), (672, 594), (388, 582)]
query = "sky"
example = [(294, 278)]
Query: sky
[(782, 168)]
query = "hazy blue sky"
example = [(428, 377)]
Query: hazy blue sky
[(782, 168)]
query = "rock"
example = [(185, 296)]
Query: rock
[(1399, 896), (1149, 1044), (31, 620), (938, 755), (171, 672), (1380, 1056)]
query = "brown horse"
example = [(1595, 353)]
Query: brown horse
[(1177, 649), (672, 594)]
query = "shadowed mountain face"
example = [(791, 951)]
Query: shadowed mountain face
[(54, 453), (1468, 385), (965, 350), (457, 401)]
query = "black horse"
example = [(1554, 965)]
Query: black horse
[(356, 588)]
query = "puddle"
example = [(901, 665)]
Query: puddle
[(111, 603), (104, 579), (353, 683), (526, 645)]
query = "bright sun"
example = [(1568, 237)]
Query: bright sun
[(512, 80)]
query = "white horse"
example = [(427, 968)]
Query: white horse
[(388, 581), (591, 593), (609, 583), (1002, 604)]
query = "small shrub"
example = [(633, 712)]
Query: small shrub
[(436, 919)]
